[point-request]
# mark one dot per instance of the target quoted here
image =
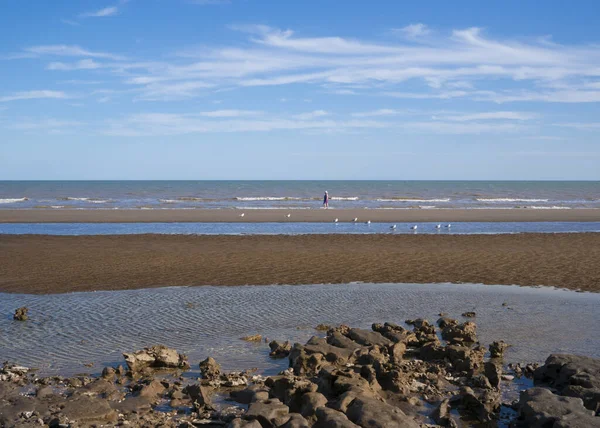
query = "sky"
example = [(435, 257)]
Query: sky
[(317, 89)]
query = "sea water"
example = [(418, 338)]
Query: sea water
[(298, 194)]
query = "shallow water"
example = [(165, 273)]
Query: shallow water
[(463, 228), (69, 330)]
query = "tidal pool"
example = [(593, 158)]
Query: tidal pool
[(67, 331)]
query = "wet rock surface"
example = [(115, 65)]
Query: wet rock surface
[(389, 376), (21, 314)]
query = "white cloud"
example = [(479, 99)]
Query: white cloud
[(68, 50), (413, 31), (30, 95), (495, 115), (380, 112), (156, 124), (311, 115), (44, 124), (107, 11), (230, 113), (84, 64)]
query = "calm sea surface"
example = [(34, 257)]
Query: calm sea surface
[(298, 194)]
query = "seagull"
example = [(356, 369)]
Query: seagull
[(288, 216), (335, 221), (368, 222), (448, 226), (355, 219), (439, 226), (242, 214), (393, 227), (413, 227)]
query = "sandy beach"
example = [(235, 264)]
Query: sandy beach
[(296, 215), (58, 264)]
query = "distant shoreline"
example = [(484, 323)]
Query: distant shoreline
[(296, 215)]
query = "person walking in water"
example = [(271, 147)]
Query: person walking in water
[(326, 200)]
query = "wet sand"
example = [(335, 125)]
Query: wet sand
[(57, 264), (297, 215)]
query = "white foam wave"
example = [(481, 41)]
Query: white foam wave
[(547, 208), (12, 200), (411, 200), (269, 198), (510, 200), (341, 198)]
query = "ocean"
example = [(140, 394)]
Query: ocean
[(298, 194)]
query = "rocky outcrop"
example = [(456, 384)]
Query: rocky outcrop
[(280, 349), (156, 357), (572, 376), (540, 408), (497, 349)]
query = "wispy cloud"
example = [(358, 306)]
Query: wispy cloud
[(68, 50), (311, 115), (70, 22), (107, 11), (380, 112), (30, 95), (84, 64), (413, 31), (495, 115)]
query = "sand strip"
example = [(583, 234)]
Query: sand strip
[(298, 215), (57, 264)]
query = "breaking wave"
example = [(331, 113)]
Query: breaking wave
[(12, 200)]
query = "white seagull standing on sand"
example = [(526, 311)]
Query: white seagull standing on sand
[(288, 216), (242, 214), (393, 227), (439, 226), (368, 222), (448, 226), (414, 227), (335, 221), (355, 219)]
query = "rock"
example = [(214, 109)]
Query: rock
[(252, 338), (465, 359), (280, 350), (156, 357), (311, 401), (108, 372), (210, 369), (469, 314), (44, 392), (250, 394), (304, 363), (466, 332), (497, 349), (240, 423), (539, 408), (151, 391), (573, 376), (329, 418), (200, 396), (87, 410), (441, 415), (295, 421), (445, 321), (368, 338), (323, 327), (339, 340), (21, 314), (493, 371), (267, 411), (370, 412), (481, 403)]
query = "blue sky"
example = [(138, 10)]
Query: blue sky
[(248, 89)]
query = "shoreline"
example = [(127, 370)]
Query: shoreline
[(296, 215), (44, 264)]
